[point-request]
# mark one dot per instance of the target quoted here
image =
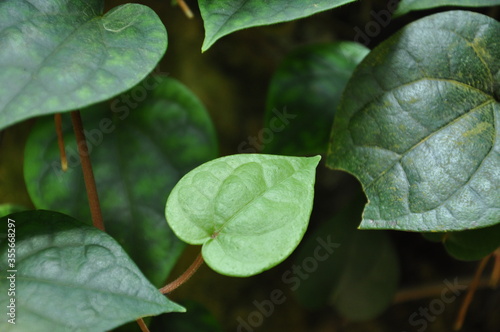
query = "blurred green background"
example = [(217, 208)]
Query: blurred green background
[(232, 80)]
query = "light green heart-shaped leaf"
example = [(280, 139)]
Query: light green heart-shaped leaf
[(304, 94), (71, 277), (418, 126), (63, 55), (406, 6), (249, 211), (221, 17), (138, 156)]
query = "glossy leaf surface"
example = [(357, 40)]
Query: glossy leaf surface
[(418, 126), (64, 55), (72, 277)]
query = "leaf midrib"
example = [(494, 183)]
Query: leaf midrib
[(217, 232), (401, 155), (41, 65)]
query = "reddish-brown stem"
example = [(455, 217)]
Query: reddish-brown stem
[(184, 277), (459, 322), (185, 8), (142, 325), (495, 274), (88, 174), (60, 141), (431, 290)]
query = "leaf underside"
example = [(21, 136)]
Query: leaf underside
[(221, 17)]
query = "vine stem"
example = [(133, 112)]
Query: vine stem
[(184, 277), (430, 290), (142, 325), (60, 141), (185, 8), (495, 274), (88, 174), (459, 322)]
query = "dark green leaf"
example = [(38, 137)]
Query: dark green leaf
[(359, 277), (434, 236), (249, 211), (221, 17), (6, 209), (473, 244), (63, 55), (369, 279), (307, 86), (406, 6), (138, 156), (418, 126), (72, 277)]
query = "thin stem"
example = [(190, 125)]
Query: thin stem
[(459, 322), (495, 274), (60, 141), (184, 277), (430, 290), (88, 174), (142, 325), (185, 8)]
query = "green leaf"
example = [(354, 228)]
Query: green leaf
[(468, 245), (406, 6), (359, 278), (249, 211), (221, 17), (72, 277), (308, 85), (434, 236), (63, 55), (6, 209), (370, 277), (418, 126), (472, 244), (138, 156)]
